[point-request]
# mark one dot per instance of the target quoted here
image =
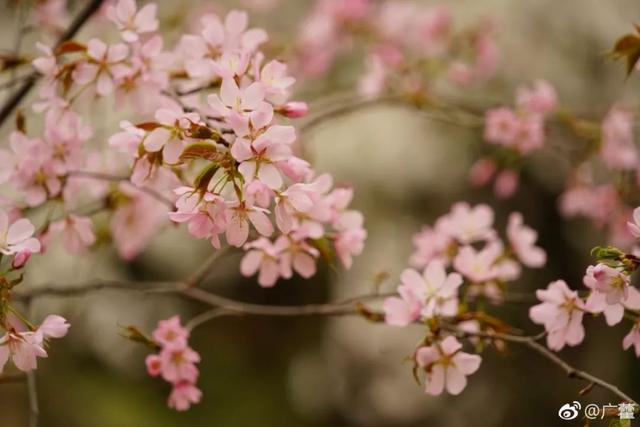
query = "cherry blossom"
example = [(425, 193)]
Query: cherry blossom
[(104, 66), (522, 240), (17, 237), (132, 22), (633, 338), (434, 293), (446, 366), (611, 292), (561, 313)]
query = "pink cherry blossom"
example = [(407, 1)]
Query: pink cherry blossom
[(467, 225), (633, 338), (171, 333), (17, 236), (183, 395), (77, 233), (153, 364), (178, 364), (169, 137), (23, 348), (430, 243), (482, 171), (611, 292), (479, 265), (297, 255), (239, 214), (232, 98), (561, 313), (522, 240), (54, 326), (506, 183), (204, 213), (446, 366), (634, 227), (291, 202), (350, 238), (501, 126), (434, 293), (540, 99), (263, 256), (294, 109), (36, 172), (618, 147), (132, 22), (105, 66)]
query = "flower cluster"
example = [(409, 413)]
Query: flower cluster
[(520, 131), (610, 153), (465, 241), (24, 343), (610, 293), (175, 363), (401, 38)]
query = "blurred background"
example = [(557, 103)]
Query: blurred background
[(406, 171)]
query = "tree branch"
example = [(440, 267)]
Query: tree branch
[(532, 343), (223, 306), (31, 80)]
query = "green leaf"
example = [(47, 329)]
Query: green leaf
[(204, 177)]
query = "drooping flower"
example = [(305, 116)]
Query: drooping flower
[(183, 395)]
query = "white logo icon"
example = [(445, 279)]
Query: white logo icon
[(570, 411)]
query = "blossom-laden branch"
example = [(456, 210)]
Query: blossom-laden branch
[(355, 306), (32, 79), (224, 164)]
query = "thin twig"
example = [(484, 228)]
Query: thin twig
[(203, 271), (31, 80), (533, 344), (222, 306), (398, 100)]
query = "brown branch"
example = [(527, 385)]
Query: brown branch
[(532, 343), (223, 306), (437, 114), (31, 80)]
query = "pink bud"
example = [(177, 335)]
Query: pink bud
[(20, 259), (482, 171), (506, 184), (294, 109), (154, 365)]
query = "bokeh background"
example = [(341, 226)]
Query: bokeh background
[(407, 171)]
